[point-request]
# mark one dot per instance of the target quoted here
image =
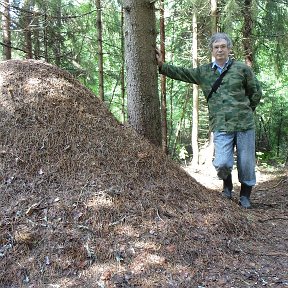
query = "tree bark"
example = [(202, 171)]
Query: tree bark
[(208, 150), (27, 29), (247, 32), (214, 29), (45, 35), (214, 16), (163, 81), (58, 38), (100, 50), (36, 34), (195, 149), (6, 21), (122, 67), (143, 103)]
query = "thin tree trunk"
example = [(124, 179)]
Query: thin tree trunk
[(163, 81), (247, 32), (36, 34), (279, 132), (142, 78), (27, 29), (214, 16), (122, 66), (45, 35), (209, 149), (170, 92), (58, 38), (195, 149), (100, 50), (6, 21), (179, 124)]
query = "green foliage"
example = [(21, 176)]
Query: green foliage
[(271, 32), (272, 121)]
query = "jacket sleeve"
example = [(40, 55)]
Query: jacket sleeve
[(253, 89), (179, 73)]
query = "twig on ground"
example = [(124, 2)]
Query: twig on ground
[(271, 219)]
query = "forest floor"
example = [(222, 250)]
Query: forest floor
[(85, 202), (266, 261)]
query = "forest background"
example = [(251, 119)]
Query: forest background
[(87, 39)]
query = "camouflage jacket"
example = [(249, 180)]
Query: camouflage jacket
[(231, 107)]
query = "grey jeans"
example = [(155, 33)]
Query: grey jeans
[(224, 144)]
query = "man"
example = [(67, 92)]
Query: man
[(231, 107)]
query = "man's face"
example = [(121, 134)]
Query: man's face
[(220, 51)]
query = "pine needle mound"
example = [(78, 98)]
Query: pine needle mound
[(87, 202)]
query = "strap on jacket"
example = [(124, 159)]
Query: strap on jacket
[(218, 82)]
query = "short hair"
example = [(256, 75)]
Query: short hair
[(217, 36)]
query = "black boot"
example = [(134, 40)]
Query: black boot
[(227, 187), (245, 193)]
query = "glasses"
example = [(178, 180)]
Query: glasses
[(222, 47)]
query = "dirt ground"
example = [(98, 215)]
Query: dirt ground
[(87, 202), (267, 252)]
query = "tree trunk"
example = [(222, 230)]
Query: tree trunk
[(279, 130), (179, 124), (45, 35), (6, 21), (58, 38), (100, 50), (214, 16), (195, 149), (27, 30), (163, 81), (247, 32), (36, 34), (142, 78), (208, 150), (122, 67)]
